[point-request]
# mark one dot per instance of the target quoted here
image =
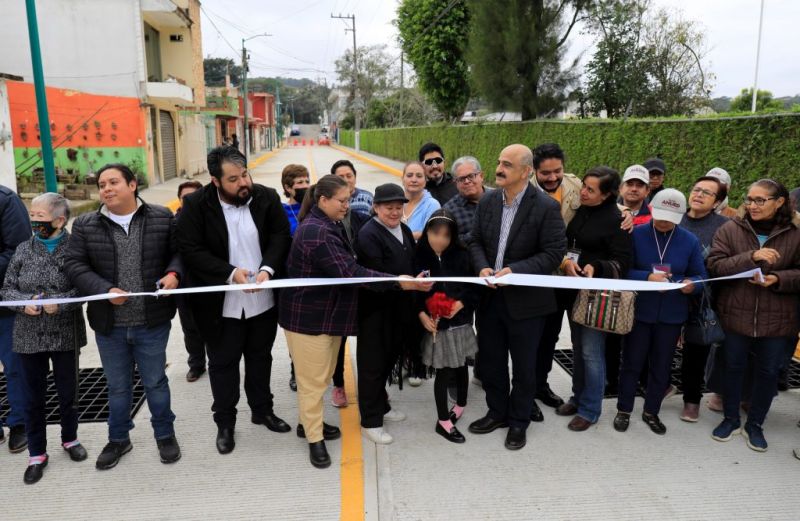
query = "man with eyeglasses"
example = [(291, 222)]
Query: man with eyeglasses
[(234, 231), (440, 183), (468, 177)]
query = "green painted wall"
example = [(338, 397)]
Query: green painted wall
[(88, 159)]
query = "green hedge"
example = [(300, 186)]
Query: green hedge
[(749, 148)]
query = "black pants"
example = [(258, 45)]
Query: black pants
[(613, 356), (34, 369), (550, 334), (445, 377), (253, 339), (192, 339), (693, 371), (338, 373), (498, 336), (380, 343), (651, 346)]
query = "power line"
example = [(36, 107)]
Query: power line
[(235, 51)]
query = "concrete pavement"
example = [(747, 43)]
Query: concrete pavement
[(598, 474)]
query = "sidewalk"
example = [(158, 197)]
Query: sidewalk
[(559, 475)]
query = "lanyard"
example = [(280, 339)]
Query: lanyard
[(662, 253)]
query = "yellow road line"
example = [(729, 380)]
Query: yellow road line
[(312, 168), (176, 203), (386, 168), (352, 467)]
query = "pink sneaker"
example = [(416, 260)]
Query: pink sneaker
[(339, 397), (714, 403)]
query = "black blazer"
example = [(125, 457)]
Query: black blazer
[(202, 237), (536, 245)]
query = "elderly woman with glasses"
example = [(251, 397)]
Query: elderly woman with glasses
[(758, 315), (51, 333)]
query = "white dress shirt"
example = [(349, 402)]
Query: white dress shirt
[(244, 251)]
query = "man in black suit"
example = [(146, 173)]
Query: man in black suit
[(234, 232), (517, 229)]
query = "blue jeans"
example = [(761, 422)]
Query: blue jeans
[(14, 385), (118, 352), (589, 371), (770, 353)]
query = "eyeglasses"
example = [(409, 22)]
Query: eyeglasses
[(706, 193), (469, 177), (758, 201), (434, 161)]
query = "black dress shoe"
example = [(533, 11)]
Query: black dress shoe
[(272, 422), (195, 373), (486, 425), (77, 452), (112, 453), (515, 439), (17, 441), (225, 441), (319, 455), (567, 409), (549, 398), (329, 432), (168, 450), (654, 423), (621, 421), (454, 435), (536, 414), (35, 472)]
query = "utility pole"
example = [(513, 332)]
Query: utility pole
[(50, 183), (758, 53), (356, 100), (245, 66)]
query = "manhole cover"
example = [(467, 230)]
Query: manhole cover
[(93, 396)]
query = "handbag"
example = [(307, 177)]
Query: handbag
[(703, 327), (605, 310)]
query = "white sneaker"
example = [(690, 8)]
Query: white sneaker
[(414, 381), (394, 416), (378, 435)]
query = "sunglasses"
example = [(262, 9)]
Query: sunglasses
[(434, 161)]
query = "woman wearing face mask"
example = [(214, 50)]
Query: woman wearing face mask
[(758, 316), (48, 333), (421, 203)]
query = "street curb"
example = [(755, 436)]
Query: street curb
[(365, 159)]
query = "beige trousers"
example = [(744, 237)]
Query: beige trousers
[(314, 358)]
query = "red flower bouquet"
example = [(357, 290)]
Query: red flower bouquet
[(439, 305)]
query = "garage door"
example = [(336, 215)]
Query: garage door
[(168, 152)]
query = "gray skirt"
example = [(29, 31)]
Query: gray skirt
[(452, 348)]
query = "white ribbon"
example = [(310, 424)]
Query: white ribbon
[(512, 279)]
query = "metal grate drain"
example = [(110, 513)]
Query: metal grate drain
[(93, 396), (563, 357)]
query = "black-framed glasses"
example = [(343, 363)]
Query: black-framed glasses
[(433, 161), (707, 193), (758, 201), (469, 177)]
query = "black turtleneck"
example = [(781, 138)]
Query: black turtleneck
[(762, 227), (595, 231)]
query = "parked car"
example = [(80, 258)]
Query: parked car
[(324, 139), (295, 131)]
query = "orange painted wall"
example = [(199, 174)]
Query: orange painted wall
[(93, 120)]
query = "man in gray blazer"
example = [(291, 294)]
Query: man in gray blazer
[(517, 229)]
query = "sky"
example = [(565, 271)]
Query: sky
[(306, 41)]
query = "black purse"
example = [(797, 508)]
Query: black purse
[(703, 327)]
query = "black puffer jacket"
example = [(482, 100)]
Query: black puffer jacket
[(15, 228), (91, 262)]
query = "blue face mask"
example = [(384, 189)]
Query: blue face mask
[(43, 229)]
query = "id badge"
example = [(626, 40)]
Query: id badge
[(574, 254), (666, 269)]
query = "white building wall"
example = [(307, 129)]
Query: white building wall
[(8, 175), (87, 45)]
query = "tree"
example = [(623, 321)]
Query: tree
[(516, 48), (616, 74), (677, 80), (437, 53), (408, 107), (744, 101), (215, 68), (374, 66)]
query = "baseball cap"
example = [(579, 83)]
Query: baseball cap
[(668, 205), (657, 164), (636, 172), (720, 174)]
